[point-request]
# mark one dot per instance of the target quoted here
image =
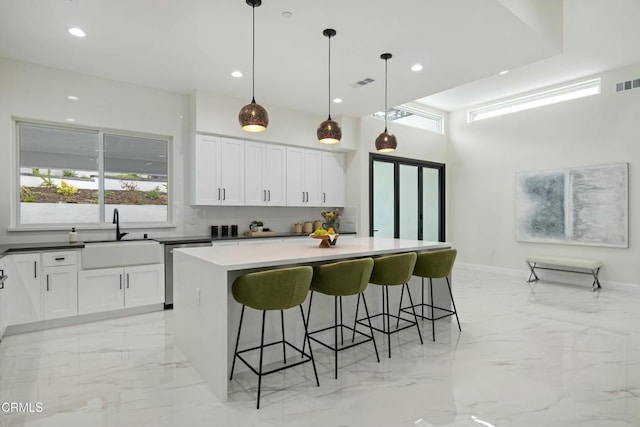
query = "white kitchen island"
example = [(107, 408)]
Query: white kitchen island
[(206, 315)]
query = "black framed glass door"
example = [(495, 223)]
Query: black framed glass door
[(406, 198)]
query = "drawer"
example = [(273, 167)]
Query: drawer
[(50, 259)]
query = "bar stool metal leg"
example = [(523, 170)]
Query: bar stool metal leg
[(454, 305), (308, 341), (386, 288), (341, 323), (235, 352), (433, 322), (355, 320), (366, 310), (284, 347), (415, 317), (335, 335), (304, 342), (264, 314)]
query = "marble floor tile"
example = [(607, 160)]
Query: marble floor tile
[(549, 354)]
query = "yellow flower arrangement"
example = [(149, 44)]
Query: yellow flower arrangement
[(331, 219)]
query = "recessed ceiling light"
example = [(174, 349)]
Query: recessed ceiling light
[(416, 67), (237, 74), (287, 14), (73, 97), (337, 100), (75, 31), (71, 120), (503, 72)]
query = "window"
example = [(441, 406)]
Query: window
[(76, 176), (411, 116), (538, 99)]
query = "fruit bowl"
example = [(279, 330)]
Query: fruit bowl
[(326, 240)]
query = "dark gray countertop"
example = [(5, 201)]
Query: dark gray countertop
[(50, 246), (202, 239), (26, 247)]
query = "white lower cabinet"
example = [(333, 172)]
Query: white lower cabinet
[(144, 285), (22, 288), (60, 296), (3, 305), (100, 290), (108, 289)]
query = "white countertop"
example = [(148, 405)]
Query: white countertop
[(266, 255)]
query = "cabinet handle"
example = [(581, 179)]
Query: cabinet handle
[(35, 269), (307, 197), (324, 197), (264, 195), (60, 258), (218, 194), (269, 192), (121, 281), (224, 194), (303, 196), (47, 283), (127, 280)]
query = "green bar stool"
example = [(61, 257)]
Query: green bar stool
[(341, 279), (435, 265), (278, 289), (392, 270)]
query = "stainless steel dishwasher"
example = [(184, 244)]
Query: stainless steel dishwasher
[(168, 268)]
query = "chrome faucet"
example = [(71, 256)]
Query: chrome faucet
[(116, 221)]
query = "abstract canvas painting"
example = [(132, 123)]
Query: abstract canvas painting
[(582, 206)]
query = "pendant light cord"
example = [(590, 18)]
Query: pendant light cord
[(386, 110), (329, 99), (253, 58)]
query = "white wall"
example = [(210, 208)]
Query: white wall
[(33, 92), (218, 114), (486, 155)]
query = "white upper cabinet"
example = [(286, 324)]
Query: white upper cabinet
[(275, 176), (265, 174), (231, 167), (205, 185), (232, 172), (218, 171), (304, 177), (333, 181)]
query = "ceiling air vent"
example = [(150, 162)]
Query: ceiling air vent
[(363, 82), (627, 85)]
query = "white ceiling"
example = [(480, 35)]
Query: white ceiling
[(195, 44)]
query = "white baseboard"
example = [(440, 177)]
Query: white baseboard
[(491, 269), (551, 277), (79, 319)]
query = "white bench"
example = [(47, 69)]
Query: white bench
[(569, 265)]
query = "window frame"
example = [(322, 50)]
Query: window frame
[(102, 223), (416, 111), (541, 95)]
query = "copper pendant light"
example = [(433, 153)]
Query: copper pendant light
[(386, 142), (253, 117), (329, 131)]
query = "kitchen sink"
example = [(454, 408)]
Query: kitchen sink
[(120, 253)]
